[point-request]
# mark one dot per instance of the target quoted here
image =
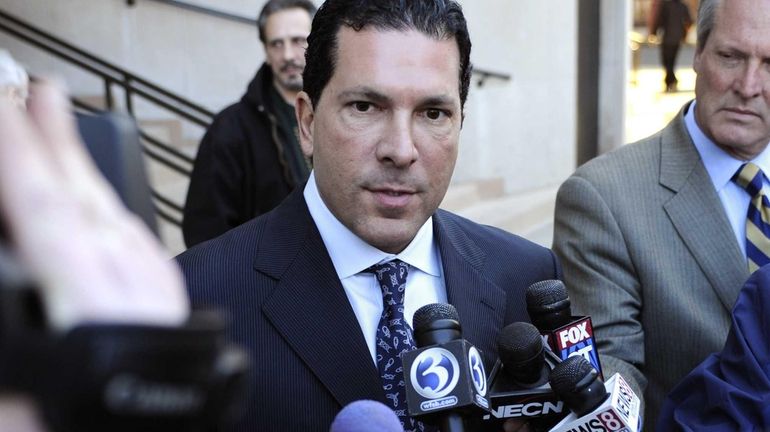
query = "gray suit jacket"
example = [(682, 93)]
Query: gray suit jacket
[(647, 251)]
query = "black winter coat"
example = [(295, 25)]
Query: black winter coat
[(241, 170)]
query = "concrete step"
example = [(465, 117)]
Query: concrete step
[(528, 214), (167, 131), (171, 237), (95, 101), (464, 195)]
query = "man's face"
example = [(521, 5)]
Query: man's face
[(285, 42), (733, 84), (384, 134)]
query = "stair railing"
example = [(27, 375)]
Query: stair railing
[(133, 86)]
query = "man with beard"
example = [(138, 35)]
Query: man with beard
[(250, 158)]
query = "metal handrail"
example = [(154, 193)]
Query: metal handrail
[(108, 71), (153, 155), (204, 10), (132, 86)]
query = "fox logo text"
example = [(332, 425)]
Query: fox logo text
[(434, 373), (574, 334)]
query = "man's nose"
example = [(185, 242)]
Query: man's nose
[(751, 81), (398, 147)]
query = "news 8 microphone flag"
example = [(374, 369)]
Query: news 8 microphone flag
[(548, 306), (595, 405), (366, 416), (445, 379)]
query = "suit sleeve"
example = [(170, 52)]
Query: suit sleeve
[(214, 197), (730, 390), (600, 277)]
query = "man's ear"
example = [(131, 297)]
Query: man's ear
[(305, 116), (696, 61)]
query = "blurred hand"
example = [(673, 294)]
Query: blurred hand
[(93, 260), (515, 426)]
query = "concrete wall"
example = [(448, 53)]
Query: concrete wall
[(522, 130)]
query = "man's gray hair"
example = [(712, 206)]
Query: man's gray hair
[(707, 12)]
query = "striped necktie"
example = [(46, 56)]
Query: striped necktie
[(751, 178)]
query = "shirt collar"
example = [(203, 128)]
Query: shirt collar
[(351, 255), (720, 165)]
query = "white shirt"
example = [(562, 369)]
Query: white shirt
[(351, 256), (721, 167)]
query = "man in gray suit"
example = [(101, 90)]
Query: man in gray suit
[(652, 236)]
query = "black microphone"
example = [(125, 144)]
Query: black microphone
[(548, 306), (365, 416), (445, 378), (595, 405), (519, 386)]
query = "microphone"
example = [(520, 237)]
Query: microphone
[(548, 306), (364, 416), (445, 377), (595, 405), (519, 381)]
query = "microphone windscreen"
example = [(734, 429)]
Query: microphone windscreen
[(570, 375), (366, 416), (429, 313), (547, 295), (577, 383), (519, 343)]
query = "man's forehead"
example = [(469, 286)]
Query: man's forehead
[(384, 61), (291, 22), (406, 40)]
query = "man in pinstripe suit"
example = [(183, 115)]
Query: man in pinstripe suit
[(380, 115), (653, 236)]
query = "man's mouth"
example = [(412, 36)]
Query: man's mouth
[(742, 111), (393, 196)]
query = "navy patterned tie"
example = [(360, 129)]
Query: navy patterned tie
[(394, 337), (751, 178)]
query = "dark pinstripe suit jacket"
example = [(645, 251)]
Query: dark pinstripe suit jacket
[(274, 278)]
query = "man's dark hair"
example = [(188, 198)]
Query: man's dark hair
[(439, 19), (274, 6)]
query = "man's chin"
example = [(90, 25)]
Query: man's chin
[(292, 85), (390, 235)]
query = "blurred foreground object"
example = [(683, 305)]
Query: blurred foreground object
[(14, 81), (95, 324), (94, 261), (730, 390)]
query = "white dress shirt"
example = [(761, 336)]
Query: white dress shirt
[(721, 167), (351, 256)]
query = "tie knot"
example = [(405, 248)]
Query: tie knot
[(392, 278), (749, 177)]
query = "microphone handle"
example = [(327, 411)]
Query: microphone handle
[(452, 422)]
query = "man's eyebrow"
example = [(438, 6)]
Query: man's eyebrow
[(366, 93), (369, 94), (287, 37), (441, 101)]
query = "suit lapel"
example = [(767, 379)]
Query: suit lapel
[(309, 307), (479, 302), (698, 215)]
